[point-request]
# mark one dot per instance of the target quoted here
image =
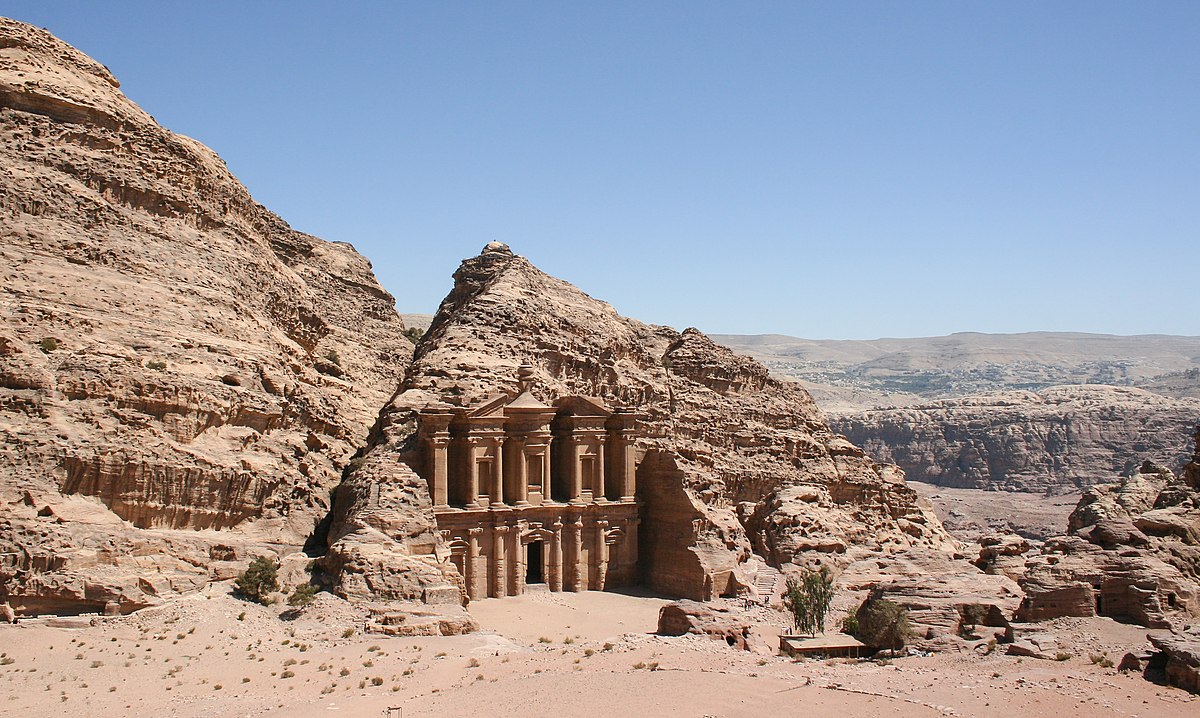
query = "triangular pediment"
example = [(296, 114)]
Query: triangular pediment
[(526, 400), (583, 406), (491, 407)]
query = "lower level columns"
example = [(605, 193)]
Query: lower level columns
[(499, 588), (476, 567), (556, 558), (578, 569)]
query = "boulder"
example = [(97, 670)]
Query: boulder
[(1179, 654), (705, 619)]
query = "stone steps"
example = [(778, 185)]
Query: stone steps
[(765, 582)]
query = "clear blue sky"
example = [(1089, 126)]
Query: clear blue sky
[(827, 170)]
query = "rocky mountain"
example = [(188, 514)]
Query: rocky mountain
[(1056, 440), (733, 463), (183, 377)]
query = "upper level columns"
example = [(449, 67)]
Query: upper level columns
[(435, 435), (622, 455)]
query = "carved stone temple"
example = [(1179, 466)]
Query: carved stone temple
[(526, 493)]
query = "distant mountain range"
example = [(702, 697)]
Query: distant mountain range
[(850, 375)]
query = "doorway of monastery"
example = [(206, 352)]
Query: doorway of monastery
[(533, 563)]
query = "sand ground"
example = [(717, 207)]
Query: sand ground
[(566, 655)]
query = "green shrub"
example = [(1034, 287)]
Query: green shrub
[(303, 594), (48, 344), (883, 624), (414, 334), (808, 599), (156, 365), (850, 624), (258, 581)]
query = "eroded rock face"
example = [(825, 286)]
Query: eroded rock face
[(1133, 553), (1179, 658), (168, 347), (951, 604), (704, 619), (1057, 439), (731, 461)]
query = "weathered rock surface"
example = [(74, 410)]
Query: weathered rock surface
[(1132, 554), (183, 377), (732, 461), (704, 619), (1054, 440), (951, 604), (1179, 657)]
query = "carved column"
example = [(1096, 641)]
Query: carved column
[(518, 549), (556, 557), (598, 493), (497, 477), (577, 565), (517, 478), (623, 462), (434, 431), (574, 480), (474, 591), (438, 449), (600, 556), (499, 575), (472, 467)]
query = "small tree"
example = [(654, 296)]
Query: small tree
[(302, 595), (258, 581), (883, 624), (808, 599)]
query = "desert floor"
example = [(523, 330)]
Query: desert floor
[(567, 654)]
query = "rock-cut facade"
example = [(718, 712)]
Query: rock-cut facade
[(527, 493)]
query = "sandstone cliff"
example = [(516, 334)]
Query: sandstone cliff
[(1054, 440), (182, 376), (732, 463)]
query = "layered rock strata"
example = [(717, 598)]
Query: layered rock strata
[(183, 377), (1133, 553), (1056, 440), (731, 461)]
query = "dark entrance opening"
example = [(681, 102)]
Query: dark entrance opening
[(533, 563), (1099, 604)]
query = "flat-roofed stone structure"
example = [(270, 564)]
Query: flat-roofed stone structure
[(527, 493)]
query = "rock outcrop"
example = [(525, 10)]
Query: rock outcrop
[(183, 377), (1178, 656), (732, 462), (704, 619), (1055, 440), (951, 605), (1133, 554)]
